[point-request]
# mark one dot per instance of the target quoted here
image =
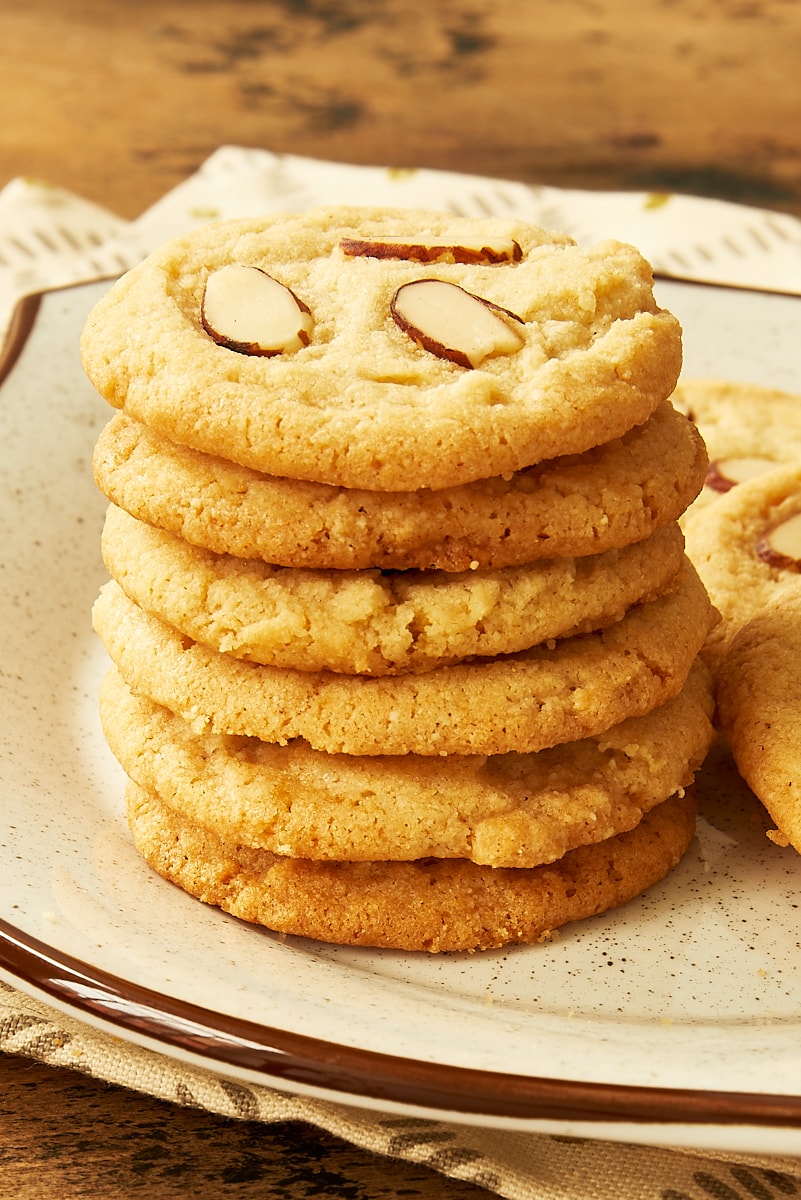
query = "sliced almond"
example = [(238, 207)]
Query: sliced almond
[(725, 473), (780, 546), (454, 324), (434, 248), (246, 310)]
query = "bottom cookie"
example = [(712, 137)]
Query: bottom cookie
[(432, 905)]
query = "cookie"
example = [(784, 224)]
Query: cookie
[(503, 810), (554, 693), (611, 496), (746, 549), (759, 709), (748, 430), (430, 905), (356, 383), (374, 622)]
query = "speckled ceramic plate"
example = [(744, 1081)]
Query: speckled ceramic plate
[(676, 1019)]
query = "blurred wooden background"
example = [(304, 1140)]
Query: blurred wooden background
[(120, 101)]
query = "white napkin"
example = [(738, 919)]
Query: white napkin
[(50, 238)]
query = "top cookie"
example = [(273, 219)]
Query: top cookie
[(374, 388)]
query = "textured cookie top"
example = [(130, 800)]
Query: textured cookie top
[(747, 549), (377, 622), (504, 810), (748, 430), (360, 398), (585, 504), (554, 693)]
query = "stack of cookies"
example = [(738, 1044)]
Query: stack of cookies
[(405, 642)]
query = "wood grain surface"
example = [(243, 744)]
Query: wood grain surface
[(68, 1137), (121, 101)]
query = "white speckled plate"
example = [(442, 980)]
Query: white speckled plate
[(676, 1019)]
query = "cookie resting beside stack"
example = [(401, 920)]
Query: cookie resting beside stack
[(405, 642), (746, 544)]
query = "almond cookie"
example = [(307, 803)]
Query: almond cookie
[(747, 549), (400, 349), (609, 497), (432, 905), (759, 709), (748, 430), (374, 622), (527, 701), (513, 810)]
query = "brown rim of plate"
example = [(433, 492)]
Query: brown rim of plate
[(19, 330), (24, 317), (296, 1062)]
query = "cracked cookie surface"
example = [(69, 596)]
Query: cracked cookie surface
[(362, 405), (513, 810), (527, 701), (374, 622), (609, 497)]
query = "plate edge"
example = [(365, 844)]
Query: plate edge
[(281, 1057)]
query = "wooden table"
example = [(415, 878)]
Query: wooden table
[(66, 1137), (120, 101)]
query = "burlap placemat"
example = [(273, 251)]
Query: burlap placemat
[(518, 1166)]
